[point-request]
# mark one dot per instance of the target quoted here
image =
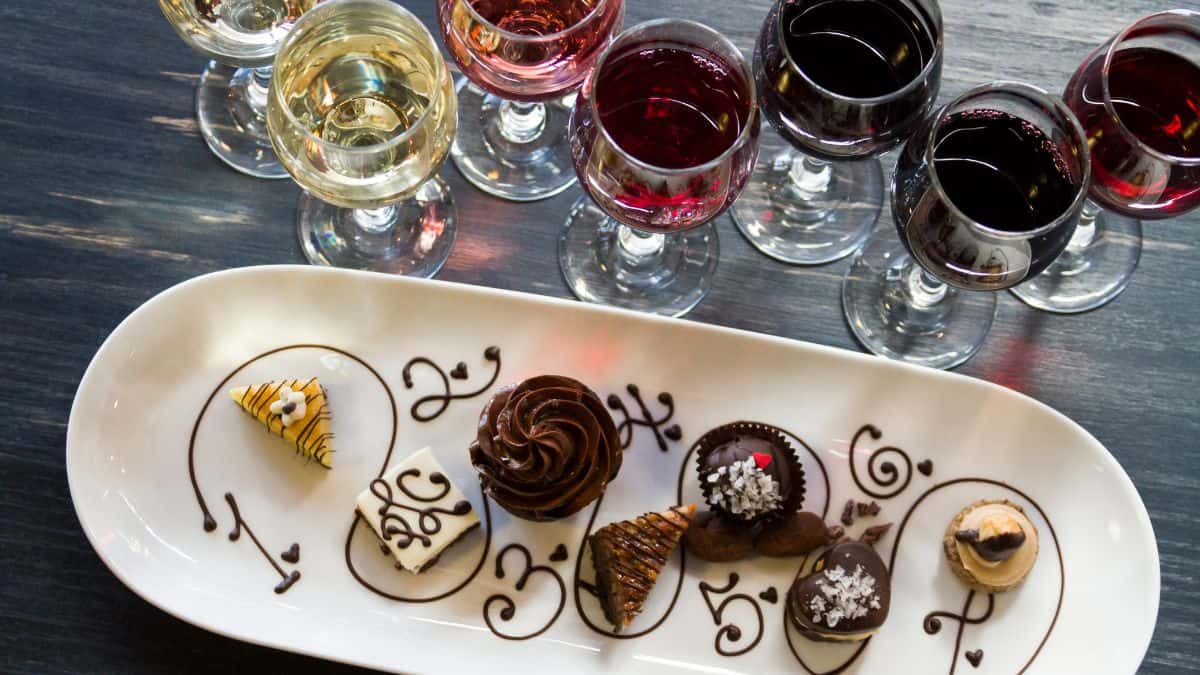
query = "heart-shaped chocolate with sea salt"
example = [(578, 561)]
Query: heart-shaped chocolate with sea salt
[(846, 596)]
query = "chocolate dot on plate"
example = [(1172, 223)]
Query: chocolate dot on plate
[(974, 657), (925, 466), (673, 432)]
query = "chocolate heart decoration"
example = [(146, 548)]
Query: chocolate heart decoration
[(460, 371), (975, 657)]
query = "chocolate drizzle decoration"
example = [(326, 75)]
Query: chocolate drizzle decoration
[(442, 400), (509, 608), (656, 424), (429, 521), (287, 579), (882, 472), (933, 624), (731, 632)]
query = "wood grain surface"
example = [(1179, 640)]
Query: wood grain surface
[(108, 196)]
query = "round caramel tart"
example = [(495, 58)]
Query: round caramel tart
[(749, 473), (846, 597), (991, 545), (545, 448)]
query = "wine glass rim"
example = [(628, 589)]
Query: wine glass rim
[(908, 88), (1109, 108), (1051, 102), (747, 76), (439, 75), (525, 37)]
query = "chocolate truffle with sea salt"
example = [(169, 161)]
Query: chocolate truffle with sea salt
[(749, 473)]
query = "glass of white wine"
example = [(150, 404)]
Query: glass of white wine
[(240, 36), (362, 112)]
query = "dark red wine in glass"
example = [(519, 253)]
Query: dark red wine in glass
[(1002, 173), (1145, 134), (645, 149), (846, 79)]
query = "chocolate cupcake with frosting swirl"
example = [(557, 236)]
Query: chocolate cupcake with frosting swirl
[(545, 448)]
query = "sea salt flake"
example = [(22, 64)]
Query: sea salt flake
[(742, 488), (845, 596)]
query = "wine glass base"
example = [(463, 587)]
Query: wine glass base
[(415, 243), (1089, 277), (519, 172), (234, 130), (940, 335), (598, 268), (805, 228)]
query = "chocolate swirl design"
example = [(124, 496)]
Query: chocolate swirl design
[(546, 448), (883, 473), (429, 521), (509, 609), (731, 632)]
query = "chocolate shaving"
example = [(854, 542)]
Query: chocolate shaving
[(848, 514), (868, 509), (873, 534)]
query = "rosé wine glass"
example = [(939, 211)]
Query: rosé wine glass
[(522, 61)]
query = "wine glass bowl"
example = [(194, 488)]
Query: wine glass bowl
[(849, 79), (527, 50), (235, 32), (987, 194), (664, 135), (1138, 98), (362, 112)]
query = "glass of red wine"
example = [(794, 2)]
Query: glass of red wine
[(523, 61), (1138, 97), (664, 136), (985, 196), (841, 82)]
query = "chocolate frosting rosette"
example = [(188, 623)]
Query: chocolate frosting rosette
[(545, 448), (749, 473)]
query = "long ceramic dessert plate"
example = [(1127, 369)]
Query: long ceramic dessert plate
[(197, 510)]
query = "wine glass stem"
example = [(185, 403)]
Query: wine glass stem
[(1085, 230), (522, 122), (810, 176), (375, 221), (256, 88), (637, 246), (923, 290)]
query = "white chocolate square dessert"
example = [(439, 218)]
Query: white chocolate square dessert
[(416, 511)]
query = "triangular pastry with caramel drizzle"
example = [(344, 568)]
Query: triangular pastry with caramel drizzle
[(296, 410), (629, 556)]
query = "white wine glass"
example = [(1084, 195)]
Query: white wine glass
[(362, 113), (240, 37)]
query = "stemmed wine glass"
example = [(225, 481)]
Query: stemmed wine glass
[(664, 135), (841, 82), (985, 195), (1138, 97), (240, 36), (522, 59), (362, 112)]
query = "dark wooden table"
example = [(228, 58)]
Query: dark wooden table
[(108, 196)]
